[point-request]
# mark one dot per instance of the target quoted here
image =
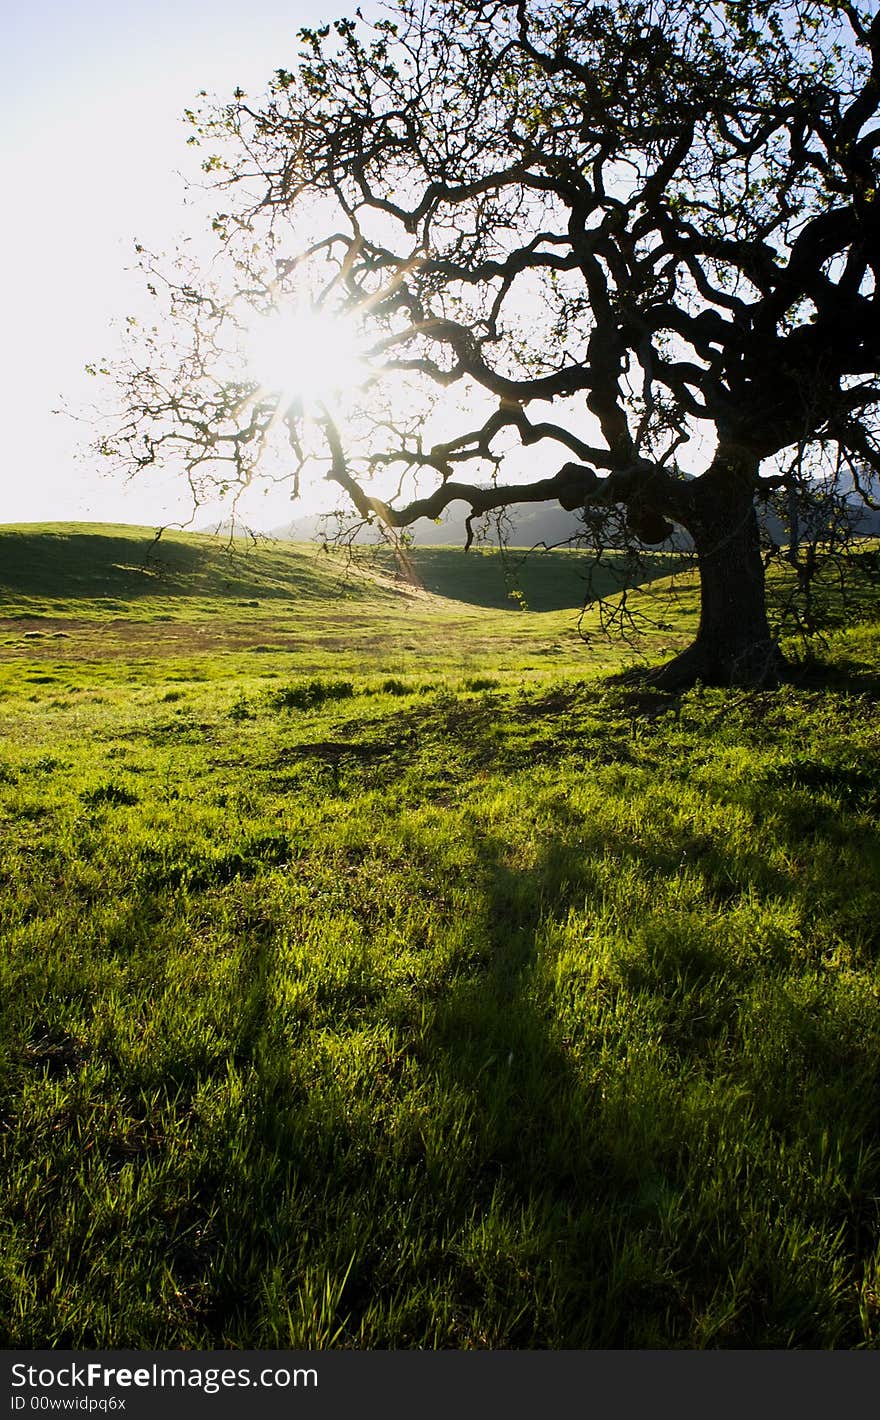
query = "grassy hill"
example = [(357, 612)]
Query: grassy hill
[(61, 563), (117, 592), (535, 579), (401, 981)]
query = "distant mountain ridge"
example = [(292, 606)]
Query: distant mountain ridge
[(545, 524), (529, 526)]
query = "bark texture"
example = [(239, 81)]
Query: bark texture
[(734, 644)]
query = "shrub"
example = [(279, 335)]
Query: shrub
[(308, 694)]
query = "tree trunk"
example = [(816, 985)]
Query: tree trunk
[(733, 645)]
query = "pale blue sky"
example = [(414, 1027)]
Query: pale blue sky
[(91, 145)]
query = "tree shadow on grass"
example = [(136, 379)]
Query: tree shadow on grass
[(845, 676), (551, 1150), (650, 1135), (621, 1162)]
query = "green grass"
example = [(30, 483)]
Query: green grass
[(415, 987), (99, 595), (540, 579), (53, 566), (66, 561)]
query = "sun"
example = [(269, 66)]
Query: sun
[(304, 354)]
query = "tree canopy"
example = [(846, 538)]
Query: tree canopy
[(629, 249)]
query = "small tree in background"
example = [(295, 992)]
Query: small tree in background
[(638, 239)]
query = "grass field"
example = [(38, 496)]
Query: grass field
[(378, 973)]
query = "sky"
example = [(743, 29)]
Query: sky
[(93, 151)]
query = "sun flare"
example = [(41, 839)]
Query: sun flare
[(300, 353)]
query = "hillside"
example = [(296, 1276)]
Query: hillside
[(114, 593), (64, 562), (59, 563)]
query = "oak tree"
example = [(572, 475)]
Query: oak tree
[(627, 249)]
